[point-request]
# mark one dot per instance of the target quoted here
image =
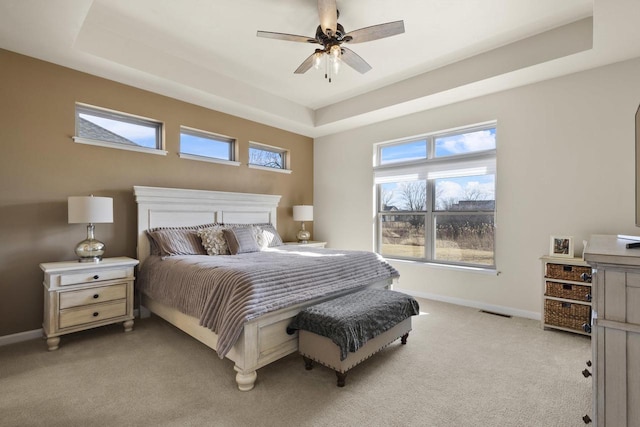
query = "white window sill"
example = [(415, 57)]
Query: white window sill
[(264, 168), (88, 141), (467, 269), (208, 159)]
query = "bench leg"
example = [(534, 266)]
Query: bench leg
[(403, 340), (342, 377), (308, 363)]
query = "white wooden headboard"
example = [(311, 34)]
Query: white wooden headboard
[(175, 207)]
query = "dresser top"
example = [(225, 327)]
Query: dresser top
[(610, 249)]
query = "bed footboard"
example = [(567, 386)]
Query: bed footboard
[(262, 341)]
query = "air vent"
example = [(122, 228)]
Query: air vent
[(496, 314)]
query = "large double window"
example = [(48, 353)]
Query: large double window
[(436, 197)]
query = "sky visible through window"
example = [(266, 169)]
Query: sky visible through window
[(205, 147), (144, 136), (466, 143), (448, 190)]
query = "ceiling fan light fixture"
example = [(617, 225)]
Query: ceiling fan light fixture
[(335, 51), (330, 35), (335, 64), (317, 60)]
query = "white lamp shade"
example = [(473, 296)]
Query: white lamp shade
[(303, 213), (90, 209)]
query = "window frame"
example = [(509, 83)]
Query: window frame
[(286, 157), (429, 170), (213, 137), (121, 117)]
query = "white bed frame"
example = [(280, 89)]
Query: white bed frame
[(263, 340)]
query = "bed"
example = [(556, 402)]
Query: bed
[(262, 338)]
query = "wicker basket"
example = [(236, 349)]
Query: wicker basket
[(568, 291), (566, 314), (567, 272)]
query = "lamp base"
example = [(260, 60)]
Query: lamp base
[(90, 250), (303, 236)]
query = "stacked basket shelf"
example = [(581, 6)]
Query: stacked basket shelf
[(566, 294)]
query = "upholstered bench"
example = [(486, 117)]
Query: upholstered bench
[(342, 332)]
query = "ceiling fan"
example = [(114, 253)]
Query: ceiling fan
[(331, 35)]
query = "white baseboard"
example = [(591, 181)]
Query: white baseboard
[(20, 336), (474, 304), (30, 335), (37, 333)]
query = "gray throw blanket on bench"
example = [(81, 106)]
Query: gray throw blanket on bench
[(350, 321)]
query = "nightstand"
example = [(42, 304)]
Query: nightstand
[(310, 243), (79, 296)]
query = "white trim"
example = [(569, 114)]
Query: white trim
[(20, 337), (473, 304), (208, 159), (216, 136), (88, 141), (265, 168)]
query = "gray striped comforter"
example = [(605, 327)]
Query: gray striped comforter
[(224, 292)]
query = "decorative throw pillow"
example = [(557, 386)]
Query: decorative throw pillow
[(241, 240), (168, 241), (213, 240)]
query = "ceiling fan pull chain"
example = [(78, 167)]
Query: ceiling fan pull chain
[(326, 67)]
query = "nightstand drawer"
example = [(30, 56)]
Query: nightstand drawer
[(95, 276), (93, 295), (93, 313)]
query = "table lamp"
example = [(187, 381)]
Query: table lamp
[(303, 213), (90, 210)]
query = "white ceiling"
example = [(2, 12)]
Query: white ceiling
[(206, 51)]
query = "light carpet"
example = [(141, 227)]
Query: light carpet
[(460, 367)]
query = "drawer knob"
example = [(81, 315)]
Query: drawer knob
[(96, 314), (586, 373), (96, 277), (588, 297), (586, 327), (586, 419), (588, 362), (585, 277), (96, 296)]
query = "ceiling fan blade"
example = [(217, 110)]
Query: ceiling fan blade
[(306, 65), (328, 13), (287, 37), (354, 60), (375, 32)]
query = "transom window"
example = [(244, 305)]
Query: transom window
[(201, 145), (98, 126), (265, 156), (436, 197)]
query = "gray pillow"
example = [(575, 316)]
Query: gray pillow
[(266, 234), (241, 240), (270, 235), (168, 241)]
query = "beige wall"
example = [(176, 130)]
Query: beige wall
[(565, 161), (40, 166)]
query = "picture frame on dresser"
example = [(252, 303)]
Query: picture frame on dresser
[(561, 246)]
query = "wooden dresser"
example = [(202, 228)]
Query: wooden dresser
[(615, 331)]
